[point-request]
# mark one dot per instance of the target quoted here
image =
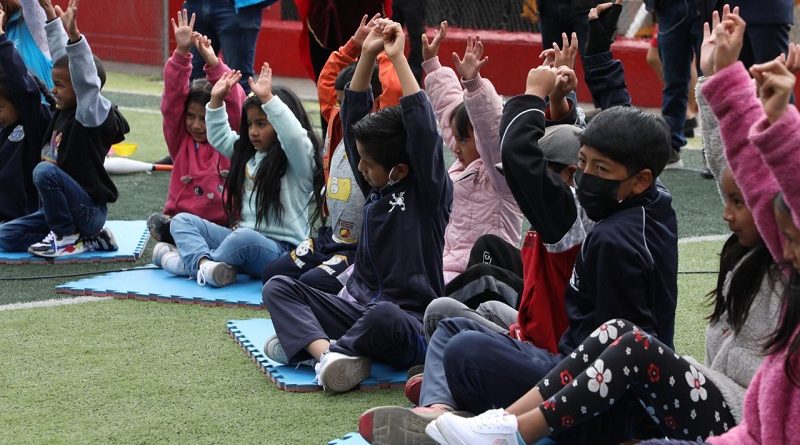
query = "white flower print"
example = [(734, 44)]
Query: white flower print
[(626, 370), (546, 382), (693, 414), (563, 399), (677, 403), (573, 355), (598, 376), (585, 358), (619, 323), (583, 410), (661, 350), (672, 380), (696, 380), (627, 351), (604, 332)]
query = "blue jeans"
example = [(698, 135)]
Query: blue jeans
[(680, 32), (245, 249), (235, 33), (470, 367), (65, 209)]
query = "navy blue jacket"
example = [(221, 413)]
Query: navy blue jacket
[(399, 255), (627, 268), (20, 142)]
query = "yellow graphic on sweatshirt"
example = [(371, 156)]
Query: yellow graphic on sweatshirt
[(339, 188)]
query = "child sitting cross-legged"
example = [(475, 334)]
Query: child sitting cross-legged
[(398, 266), (275, 175), (73, 185)]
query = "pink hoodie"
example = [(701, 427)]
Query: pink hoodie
[(199, 171), (482, 201)]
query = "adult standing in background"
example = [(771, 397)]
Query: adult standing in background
[(767, 32), (411, 14), (564, 16)]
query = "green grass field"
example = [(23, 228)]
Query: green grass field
[(124, 371)]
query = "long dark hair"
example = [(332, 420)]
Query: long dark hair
[(745, 282), (784, 337), (267, 180)]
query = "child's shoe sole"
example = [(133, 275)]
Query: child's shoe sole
[(223, 275), (394, 425), (344, 374)]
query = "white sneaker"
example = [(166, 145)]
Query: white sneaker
[(274, 351), (54, 246), (159, 250), (215, 274), (338, 373), (172, 263), (485, 429)]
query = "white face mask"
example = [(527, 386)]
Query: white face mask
[(391, 181)]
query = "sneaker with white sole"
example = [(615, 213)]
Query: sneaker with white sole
[(159, 250), (274, 351), (216, 274), (172, 263), (54, 246), (158, 224), (103, 241), (338, 373), (395, 425), (490, 429)]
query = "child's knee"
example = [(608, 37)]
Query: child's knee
[(465, 348), (277, 289), (380, 314), (43, 173)]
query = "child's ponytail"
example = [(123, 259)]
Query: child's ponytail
[(45, 92)]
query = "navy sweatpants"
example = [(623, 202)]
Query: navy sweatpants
[(381, 331)]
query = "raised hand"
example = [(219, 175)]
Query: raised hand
[(373, 43), (204, 47), (364, 28), (793, 58), (262, 87), (563, 55), (566, 82), (49, 10), (602, 25), (470, 67), (541, 81), (709, 46), (183, 31), (431, 50), (223, 86), (394, 40), (729, 38), (69, 19), (775, 84)]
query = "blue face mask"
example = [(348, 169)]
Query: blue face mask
[(598, 196)]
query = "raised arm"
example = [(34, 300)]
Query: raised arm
[(603, 74), (21, 87), (218, 129), (215, 69), (713, 149), (177, 71)]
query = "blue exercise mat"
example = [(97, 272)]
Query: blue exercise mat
[(349, 439), (251, 335), (131, 237), (153, 284)]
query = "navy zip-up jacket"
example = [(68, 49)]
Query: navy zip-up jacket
[(399, 255), (21, 141), (627, 268)]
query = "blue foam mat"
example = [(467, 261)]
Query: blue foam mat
[(153, 284), (251, 335), (131, 237), (349, 439)]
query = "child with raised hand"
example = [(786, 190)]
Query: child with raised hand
[(398, 266), (23, 121), (199, 171), (275, 174), (469, 117), (73, 186)]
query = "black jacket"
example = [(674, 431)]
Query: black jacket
[(399, 255)]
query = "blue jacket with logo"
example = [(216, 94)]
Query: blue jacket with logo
[(399, 256)]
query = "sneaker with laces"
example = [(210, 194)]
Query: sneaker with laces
[(172, 263), (54, 246), (215, 273), (395, 425), (159, 250), (158, 225), (103, 241), (338, 373), (490, 428), (274, 351)]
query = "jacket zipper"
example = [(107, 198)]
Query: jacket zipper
[(369, 253)]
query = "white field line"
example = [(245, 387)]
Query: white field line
[(141, 110), (700, 239), (52, 303)]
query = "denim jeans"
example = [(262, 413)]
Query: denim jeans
[(680, 32), (245, 249), (235, 33), (65, 209)]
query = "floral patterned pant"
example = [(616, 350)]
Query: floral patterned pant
[(619, 357)]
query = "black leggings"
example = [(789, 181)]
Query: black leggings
[(619, 357)]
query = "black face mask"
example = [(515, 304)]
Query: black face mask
[(598, 196)]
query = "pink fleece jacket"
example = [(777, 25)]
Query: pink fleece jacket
[(732, 97), (482, 202), (199, 171)]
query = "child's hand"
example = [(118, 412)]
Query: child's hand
[(364, 28), (204, 47), (793, 58), (69, 18), (541, 81), (561, 56), (566, 82), (602, 25), (49, 11), (183, 31), (775, 85), (262, 87), (473, 59), (431, 50), (220, 89), (709, 46), (394, 40), (729, 38), (373, 43)]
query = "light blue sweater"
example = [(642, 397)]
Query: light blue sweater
[(296, 184)]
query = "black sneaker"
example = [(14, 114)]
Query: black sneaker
[(158, 225), (103, 241), (689, 126)]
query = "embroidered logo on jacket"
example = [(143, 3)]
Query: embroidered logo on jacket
[(398, 200), (17, 134)]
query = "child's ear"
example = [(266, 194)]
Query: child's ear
[(568, 175), (642, 181), (400, 172)]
